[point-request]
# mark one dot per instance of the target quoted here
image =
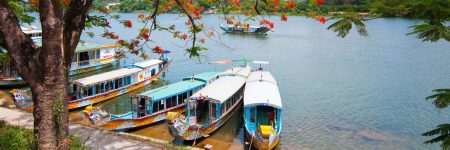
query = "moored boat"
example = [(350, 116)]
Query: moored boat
[(262, 109), (209, 108), (245, 30), (151, 106), (90, 56), (97, 88)]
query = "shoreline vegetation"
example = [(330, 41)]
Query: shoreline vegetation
[(17, 137), (364, 8)]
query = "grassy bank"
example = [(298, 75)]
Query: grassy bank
[(16, 137)]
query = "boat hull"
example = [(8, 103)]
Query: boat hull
[(79, 70), (22, 102), (128, 124), (261, 145), (193, 133)]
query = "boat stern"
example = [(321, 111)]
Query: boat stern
[(22, 100), (265, 138), (177, 124), (96, 115)]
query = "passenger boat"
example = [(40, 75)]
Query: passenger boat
[(151, 106), (90, 56), (208, 109), (104, 86), (245, 30), (262, 109)]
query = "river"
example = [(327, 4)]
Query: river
[(351, 93)]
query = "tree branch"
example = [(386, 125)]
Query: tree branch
[(20, 47), (74, 23), (194, 27)]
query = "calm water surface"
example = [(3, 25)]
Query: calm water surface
[(352, 93)]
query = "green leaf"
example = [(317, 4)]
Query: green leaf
[(345, 23), (441, 99), (432, 33)]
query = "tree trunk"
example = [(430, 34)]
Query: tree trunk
[(46, 68)]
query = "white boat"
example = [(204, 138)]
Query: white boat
[(209, 108), (262, 109)]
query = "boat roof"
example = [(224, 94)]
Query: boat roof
[(241, 71), (83, 46), (205, 76), (171, 89), (106, 76), (261, 89), (223, 88), (30, 29), (115, 73), (148, 63)]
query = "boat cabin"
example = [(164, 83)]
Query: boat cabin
[(32, 31), (217, 99), (262, 104), (113, 80), (165, 98)]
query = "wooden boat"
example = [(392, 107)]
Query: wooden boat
[(151, 106), (90, 56), (245, 30), (104, 86), (262, 110), (208, 109)]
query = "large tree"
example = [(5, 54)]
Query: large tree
[(45, 68)]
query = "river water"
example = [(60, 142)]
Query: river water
[(351, 93)]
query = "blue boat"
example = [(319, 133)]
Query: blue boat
[(151, 106), (262, 109)]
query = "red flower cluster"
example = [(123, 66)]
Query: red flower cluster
[(291, 4), (284, 17), (202, 40), (275, 9), (320, 19), (128, 23), (184, 37), (319, 2), (120, 42), (229, 21), (267, 22), (234, 2), (145, 35), (158, 50), (276, 2), (106, 22), (247, 26), (191, 1), (110, 35), (140, 16)]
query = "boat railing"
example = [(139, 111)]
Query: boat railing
[(84, 63)]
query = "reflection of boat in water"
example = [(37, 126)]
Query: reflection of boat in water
[(104, 86), (262, 109), (151, 106), (208, 109), (245, 30)]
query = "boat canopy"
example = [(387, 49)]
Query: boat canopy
[(261, 89), (171, 89), (204, 77), (106, 76), (221, 89), (148, 63), (242, 71), (82, 47)]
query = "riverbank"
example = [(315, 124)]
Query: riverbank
[(94, 138)]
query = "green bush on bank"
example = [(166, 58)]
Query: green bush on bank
[(18, 138)]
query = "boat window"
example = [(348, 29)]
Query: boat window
[(155, 107), (127, 80), (173, 101), (153, 72), (252, 114), (98, 88), (161, 105), (224, 108), (169, 102), (116, 83), (120, 82), (108, 86), (190, 93), (97, 54), (180, 99), (185, 95)]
